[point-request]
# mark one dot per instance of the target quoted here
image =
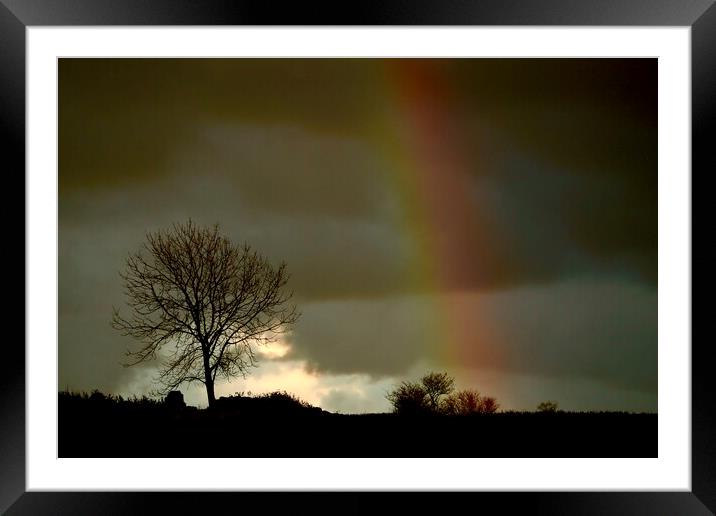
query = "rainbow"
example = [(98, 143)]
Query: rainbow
[(431, 174)]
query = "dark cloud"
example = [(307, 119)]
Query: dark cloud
[(605, 331), (298, 158)]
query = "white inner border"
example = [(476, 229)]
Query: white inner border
[(671, 470)]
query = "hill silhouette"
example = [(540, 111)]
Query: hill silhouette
[(281, 425)]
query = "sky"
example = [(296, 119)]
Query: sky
[(492, 218)]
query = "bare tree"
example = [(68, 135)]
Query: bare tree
[(437, 385), (207, 301)]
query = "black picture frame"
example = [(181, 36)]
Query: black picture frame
[(16, 15)]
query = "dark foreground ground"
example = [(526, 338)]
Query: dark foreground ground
[(97, 427)]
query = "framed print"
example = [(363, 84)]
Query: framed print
[(437, 248)]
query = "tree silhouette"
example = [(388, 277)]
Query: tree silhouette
[(437, 385), (207, 301)]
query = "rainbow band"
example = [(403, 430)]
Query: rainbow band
[(433, 180)]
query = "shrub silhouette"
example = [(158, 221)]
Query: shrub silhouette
[(488, 405), (462, 402), (275, 403), (548, 406), (98, 397), (468, 401), (435, 395), (409, 399)]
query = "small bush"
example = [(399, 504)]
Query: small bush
[(548, 406), (462, 403), (409, 399), (488, 405)]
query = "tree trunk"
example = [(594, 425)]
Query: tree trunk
[(210, 391), (208, 381)]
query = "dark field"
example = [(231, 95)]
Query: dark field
[(280, 426)]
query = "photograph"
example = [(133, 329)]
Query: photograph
[(357, 257)]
